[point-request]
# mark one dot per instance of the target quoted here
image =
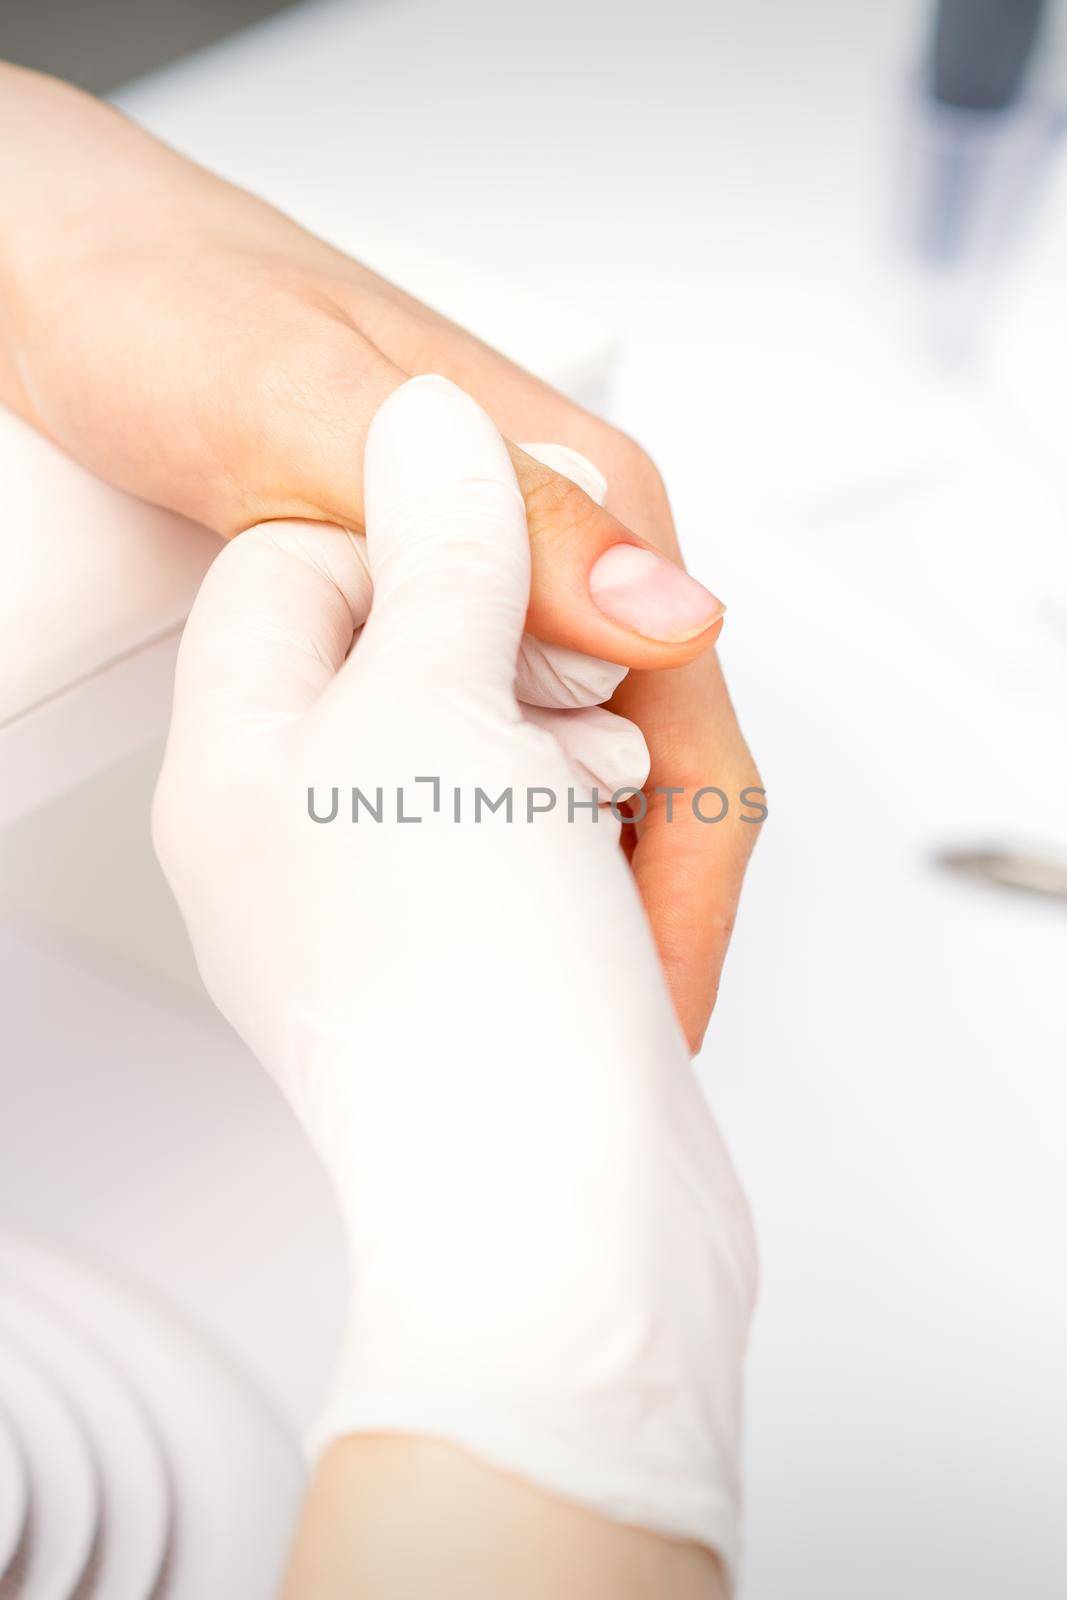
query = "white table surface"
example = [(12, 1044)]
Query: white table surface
[(888, 1055)]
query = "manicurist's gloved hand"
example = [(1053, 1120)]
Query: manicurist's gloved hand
[(552, 1264)]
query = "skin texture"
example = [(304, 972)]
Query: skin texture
[(189, 343), (482, 1535)]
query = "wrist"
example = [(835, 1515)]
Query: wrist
[(556, 1282)]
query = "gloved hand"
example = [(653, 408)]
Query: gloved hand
[(552, 1264)]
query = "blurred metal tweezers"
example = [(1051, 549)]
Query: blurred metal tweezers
[(1009, 867)]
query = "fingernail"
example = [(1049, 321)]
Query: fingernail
[(650, 595)]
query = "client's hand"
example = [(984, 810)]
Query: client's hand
[(189, 343), (551, 1261)]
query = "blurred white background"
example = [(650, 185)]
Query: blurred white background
[(722, 185)]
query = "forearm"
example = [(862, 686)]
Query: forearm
[(392, 1516)]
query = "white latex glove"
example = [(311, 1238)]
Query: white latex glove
[(552, 1264)]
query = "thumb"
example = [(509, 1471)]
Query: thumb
[(446, 541), (552, 674)]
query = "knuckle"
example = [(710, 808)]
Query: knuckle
[(625, 462), (560, 514), (641, 467)]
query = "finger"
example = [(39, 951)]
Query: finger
[(607, 753), (552, 674), (597, 587), (571, 464), (447, 543), (690, 871), (273, 622)]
